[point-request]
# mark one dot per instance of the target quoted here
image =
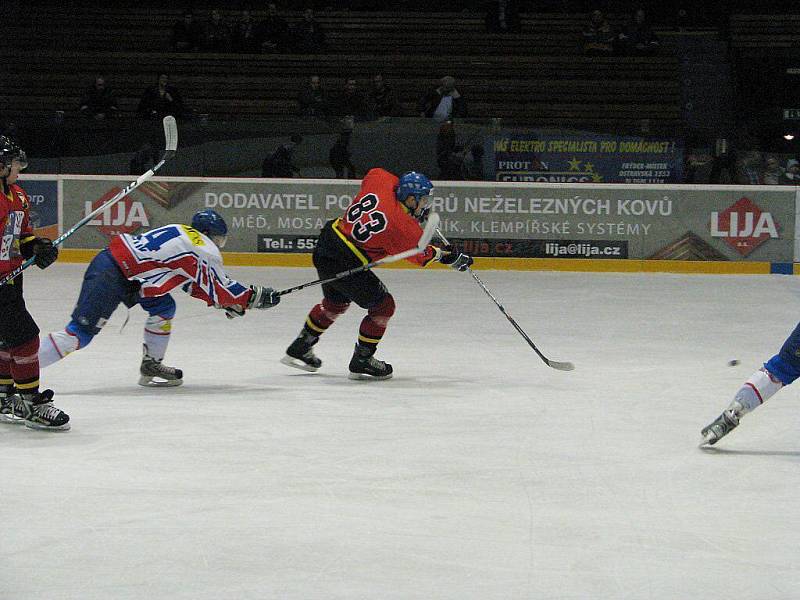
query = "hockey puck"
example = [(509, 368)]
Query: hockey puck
[(733, 363)]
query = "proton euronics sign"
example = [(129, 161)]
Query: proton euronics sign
[(497, 219), (585, 158)]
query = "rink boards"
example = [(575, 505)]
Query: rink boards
[(506, 226)]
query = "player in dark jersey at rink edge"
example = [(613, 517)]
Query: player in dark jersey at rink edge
[(383, 219), (20, 399)]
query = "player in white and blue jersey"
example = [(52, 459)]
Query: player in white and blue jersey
[(143, 269)]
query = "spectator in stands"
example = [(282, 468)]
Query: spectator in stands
[(99, 102), (185, 33), (339, 155), (682, 19), (313, 100), (792, 174), (723, 159), (774, 173), (245, 37), (449, 157), (161, 100), (473, 164), (280, 162), (444, 102), (350, 102), (215, 36), (381, 100), (598, 37), (502, 16), (637, 38), (308, 36), (693, 161), (273, 31), (750, 166)]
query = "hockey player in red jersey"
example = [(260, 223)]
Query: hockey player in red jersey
[(20, 399), (383, 219)]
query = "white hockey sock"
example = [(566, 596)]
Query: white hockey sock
[(156, 335), (56, 346), (758, 388)]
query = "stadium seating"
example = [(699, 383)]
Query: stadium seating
[(536, 77)]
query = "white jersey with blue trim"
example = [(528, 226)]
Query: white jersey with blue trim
[(177, 255)]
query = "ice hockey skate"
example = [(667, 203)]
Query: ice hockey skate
[(364, 365), (7, 412), (38, 412), (156, 374), (300, 354), (722, 425)]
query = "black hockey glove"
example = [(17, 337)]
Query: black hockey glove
[(263, 297), (42, 250), (455, 260)]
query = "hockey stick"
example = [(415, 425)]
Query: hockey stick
[(561, 366), (171, 136), (427, 234)]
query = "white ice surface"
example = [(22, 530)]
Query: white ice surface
[(476, 473)]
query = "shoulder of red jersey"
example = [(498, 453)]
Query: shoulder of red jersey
[(20, 194), (379, 176)]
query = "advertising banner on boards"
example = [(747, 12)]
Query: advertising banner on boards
[(487, 219), (586, 158)]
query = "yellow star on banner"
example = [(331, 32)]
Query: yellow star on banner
[(574, 164), (597, 178), (588, 167)]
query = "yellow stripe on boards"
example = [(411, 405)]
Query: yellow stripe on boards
[(264, 259)]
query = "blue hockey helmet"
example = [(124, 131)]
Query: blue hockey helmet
[(420, 187), (209, 222), (213, 225), (413, 184)]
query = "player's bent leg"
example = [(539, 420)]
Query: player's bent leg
[(300, 353), (158, 326), (759, 387), (363, 364), (59, 344), (7, 389), (104, 287), (35, 407)]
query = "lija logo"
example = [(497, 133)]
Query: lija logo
[(744, 226), (126, 216)]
